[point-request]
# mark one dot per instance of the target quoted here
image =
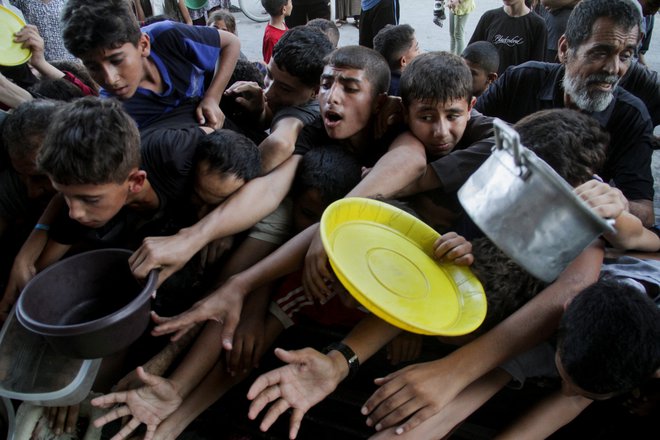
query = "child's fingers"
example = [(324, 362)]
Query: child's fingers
[(115, 414)]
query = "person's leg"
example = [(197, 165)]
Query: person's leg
[(377, 17), (298, 16), (452, 30), (320, 9), (459, 33)]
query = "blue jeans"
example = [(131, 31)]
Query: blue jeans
[(456, 30)]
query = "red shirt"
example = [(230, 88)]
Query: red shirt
[(271, 36)]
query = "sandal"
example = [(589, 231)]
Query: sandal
[(339, 22)]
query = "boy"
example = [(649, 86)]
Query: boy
[(289, 100), (436, 92), (154, 71), (482, 59), (278, 10), (111, 185), (398, 44), (328, 27)]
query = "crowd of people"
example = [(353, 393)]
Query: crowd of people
[(137, 127)]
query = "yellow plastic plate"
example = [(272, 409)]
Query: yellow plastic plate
[(11, 54), (383, 256)]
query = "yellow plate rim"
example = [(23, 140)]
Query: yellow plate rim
[(11, 15)]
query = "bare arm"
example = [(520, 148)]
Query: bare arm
[(404, 162), (426, 182), (30, 39), (11, 94), (280, 143), (545, 418)]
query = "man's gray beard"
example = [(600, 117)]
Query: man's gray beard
[(577, 89)]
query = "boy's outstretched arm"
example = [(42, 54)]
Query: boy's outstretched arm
[(546, 417), (30, 39), (225, 304), (208, 111), (422, 390), (310, 376), (254, 201), (11, 94)]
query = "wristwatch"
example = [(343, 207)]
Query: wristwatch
[(349, 355)]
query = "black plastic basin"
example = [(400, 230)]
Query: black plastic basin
[(89, 305)]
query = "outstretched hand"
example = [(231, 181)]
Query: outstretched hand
[(416, 392), (309, 377), (150, 405), (224, 306)]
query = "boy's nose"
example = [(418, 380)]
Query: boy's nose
[(75, 211), (109, 75)]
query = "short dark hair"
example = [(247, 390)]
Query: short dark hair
[(56, 88), (100, 24), (507, 285), (363, 58), (301, 51), (484, 54), (580, 23), (226, 16), (328, 27), (26, 126), (229, 152), (393, 41), (274, 7), (437, 76), (90, 141), (609, 337), (330, 170), (572, 143)]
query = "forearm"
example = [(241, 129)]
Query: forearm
[(632, 235), (184, 12), (398, 168), (642, 209), (242, 211), (11, 94), (199, 360), (546, 417), (280, 143), (47, 70), (370, 335), (231, 48), (428, 181)]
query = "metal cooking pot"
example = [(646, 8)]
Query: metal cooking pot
[(89, 305), (527, 209)]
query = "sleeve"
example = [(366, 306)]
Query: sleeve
[(455, 168), (308, 137), (276, 227), (490, 102), (537, 362), (267, 47), (87, 91), (198, 45), (305, 113)]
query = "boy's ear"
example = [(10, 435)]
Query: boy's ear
[(471, 104), (492, 76), (144, 45), (136, 181), (656, 375), (379, 101)]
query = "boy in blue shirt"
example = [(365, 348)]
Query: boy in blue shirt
[(154, 70)]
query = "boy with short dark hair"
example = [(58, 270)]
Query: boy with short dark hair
[(482, 59), (278, 10), (328, 27), (154, 70), (436, 92), (398, 44)]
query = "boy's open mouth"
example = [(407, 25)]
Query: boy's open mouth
[(332, 118)]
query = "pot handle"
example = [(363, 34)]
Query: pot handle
[(507, 138)]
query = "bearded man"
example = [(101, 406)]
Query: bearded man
[(594, 53)]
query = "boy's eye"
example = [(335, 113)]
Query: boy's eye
[(90, 200)]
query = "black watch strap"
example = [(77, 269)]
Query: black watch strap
[(349, 355)]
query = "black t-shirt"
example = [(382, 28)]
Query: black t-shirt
[(517, 39), (534, 86), (314, 135)]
